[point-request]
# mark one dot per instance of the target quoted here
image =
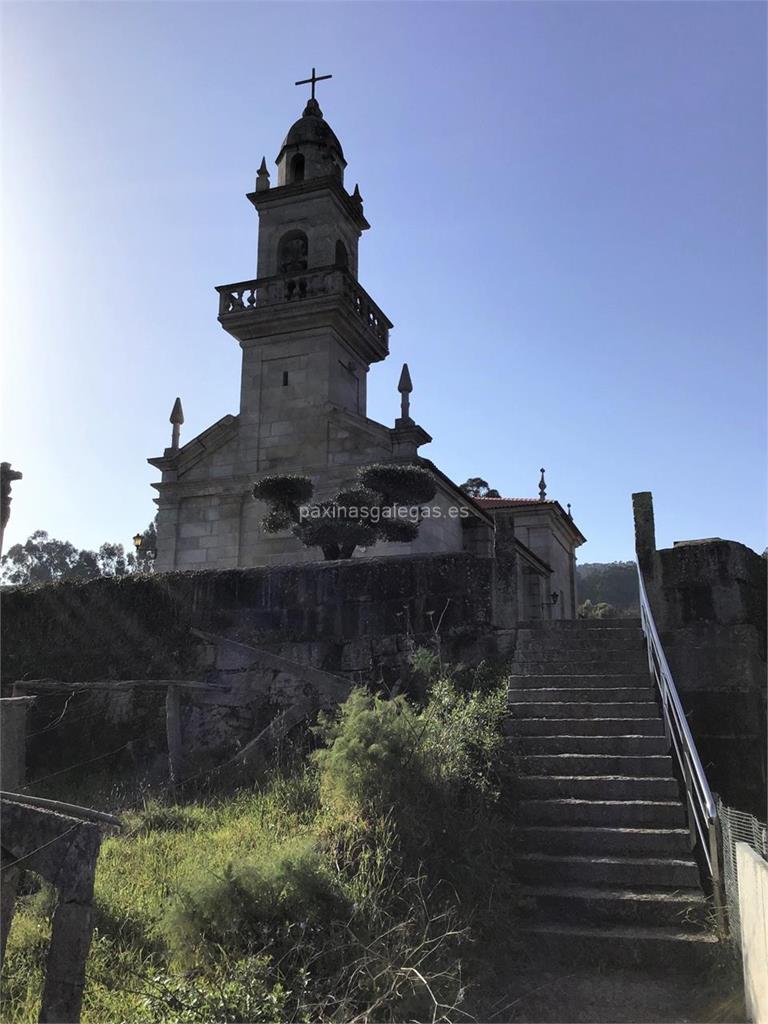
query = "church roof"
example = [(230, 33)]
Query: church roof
[(491, 503), (312, 127), (511, 502)]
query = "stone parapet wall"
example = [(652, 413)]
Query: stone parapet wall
[(359, 619), (138, 627), (709, 601)]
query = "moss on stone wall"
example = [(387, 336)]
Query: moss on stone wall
[(138, 626)]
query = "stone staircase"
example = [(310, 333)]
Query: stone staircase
[(602, 847)]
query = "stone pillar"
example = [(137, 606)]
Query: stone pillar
[(505, 596), (645, 533), (8, 889), (71, 933), (13, 741), (647, 557), (167, 520)]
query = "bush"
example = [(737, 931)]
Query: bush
[(352, 523), (370, 762), (273, 901), (399, 484), (288, 490), (385, 755), (462, 735), (229, 992), (587, 610)]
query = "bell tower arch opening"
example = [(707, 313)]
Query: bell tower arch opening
[(296, 173)]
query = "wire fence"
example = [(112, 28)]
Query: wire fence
[(738, 827)]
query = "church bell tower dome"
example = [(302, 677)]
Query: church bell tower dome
[(310, 149)]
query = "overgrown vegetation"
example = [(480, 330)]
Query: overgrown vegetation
[(343, 889)]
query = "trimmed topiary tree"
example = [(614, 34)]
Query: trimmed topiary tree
[(355, 517)]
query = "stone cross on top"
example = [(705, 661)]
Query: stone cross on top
[(315, 78)]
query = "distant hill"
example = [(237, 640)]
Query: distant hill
[(613, 583)]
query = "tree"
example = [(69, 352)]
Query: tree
[(383, 506), (44, 559), (142, 559), (476, 487), (588, 610), (613, 583)]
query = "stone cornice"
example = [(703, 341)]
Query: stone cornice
[(181, 460), (330, 183)]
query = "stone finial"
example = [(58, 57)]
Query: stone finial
[(312, 109), (262, 177), (177, 418), (356, 197), (542, 487), (570, 514), (405, 387)]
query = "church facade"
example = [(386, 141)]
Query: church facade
[(309, 334)]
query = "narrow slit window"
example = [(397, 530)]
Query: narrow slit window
[(285, 378)]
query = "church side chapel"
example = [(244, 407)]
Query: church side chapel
[(309, 334)]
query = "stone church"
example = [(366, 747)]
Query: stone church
[(309, 334)]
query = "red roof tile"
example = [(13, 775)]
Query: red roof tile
[(510, 502)]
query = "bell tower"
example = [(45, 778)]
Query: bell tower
[(308, 331)]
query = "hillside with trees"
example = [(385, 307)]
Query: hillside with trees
[(609, 586)]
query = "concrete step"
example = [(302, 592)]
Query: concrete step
[(677, 951), (584, 681), (598, 787), (583, 709), (571, 645), (594, 667), (602, 840), (527, 642), (609, 813), (622, 746), (528, 690), (661, 872), (579, 625), (685, 909), (549, 725), (596, 764)]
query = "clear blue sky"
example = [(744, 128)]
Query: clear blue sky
[(568, 218)]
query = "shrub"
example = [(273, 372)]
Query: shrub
[(462, 734), (370, 762), (228, 992), (398, 530), (286, 491), (347, 521), (399, 484), (384, 755), (271, 900)]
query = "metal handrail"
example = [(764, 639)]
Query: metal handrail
[(702, 807)]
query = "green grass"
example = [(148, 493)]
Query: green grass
[(339, 915), (160, 849)]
